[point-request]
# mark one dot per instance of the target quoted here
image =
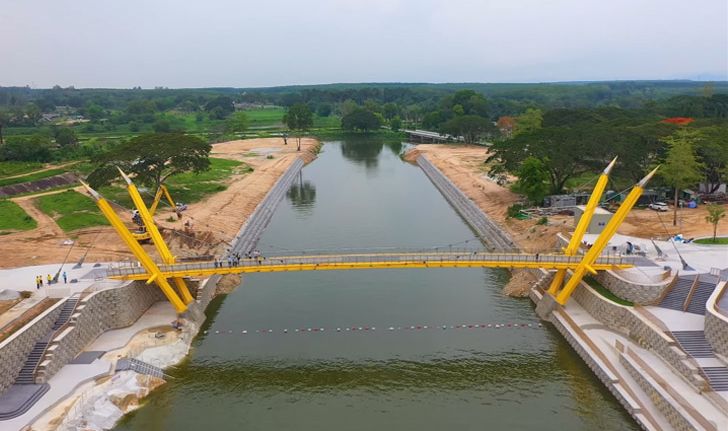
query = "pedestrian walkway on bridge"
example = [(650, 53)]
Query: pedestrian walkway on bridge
[(382, 260)]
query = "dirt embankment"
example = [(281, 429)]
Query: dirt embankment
[(465, 166), (212, 221)]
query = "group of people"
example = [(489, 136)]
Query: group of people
[(39, 280), (233, 259)]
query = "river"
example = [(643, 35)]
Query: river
[(360, 194)]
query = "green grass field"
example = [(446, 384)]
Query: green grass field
[(16, 168), (606, 292), (185, 188), (31, 177), (71, 210), (13, 218), (721, 240)]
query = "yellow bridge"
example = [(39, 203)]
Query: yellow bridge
[(560, 289), (329, 262)]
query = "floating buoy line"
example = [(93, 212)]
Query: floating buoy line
[(369, 329)]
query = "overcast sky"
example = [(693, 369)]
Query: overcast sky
[(240, 43)]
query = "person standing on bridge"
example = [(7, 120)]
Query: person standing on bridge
[(65, 278)]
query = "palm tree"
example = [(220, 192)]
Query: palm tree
[(715, 213)]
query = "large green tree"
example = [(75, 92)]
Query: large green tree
[(470, 127), (299, 118), (152, 158), (681, 168), (565, 152), (65, 137), (35, 148), (533, 180), (361, 119)]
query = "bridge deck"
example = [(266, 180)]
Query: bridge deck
[(374, 261)]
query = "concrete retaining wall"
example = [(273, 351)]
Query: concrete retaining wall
[(15, 349), (97, 313), (490, 233), (250, 232), (627, 321), (716, 323), (638, 293), (657, 396)]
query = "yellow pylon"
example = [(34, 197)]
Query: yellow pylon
[(583, 224), (591, 256), (155, 275), (157, 239), (162, 190)]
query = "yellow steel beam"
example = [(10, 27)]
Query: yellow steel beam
[(162, 191), (152, 269), (583, 224), (153, 231), (171, 271), (601, 242)]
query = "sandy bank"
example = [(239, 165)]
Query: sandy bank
[(212, 220)]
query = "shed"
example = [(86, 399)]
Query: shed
[(599, 219)]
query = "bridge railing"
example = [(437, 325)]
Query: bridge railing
[(474, 257)]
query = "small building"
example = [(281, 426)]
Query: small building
[(599, 219)]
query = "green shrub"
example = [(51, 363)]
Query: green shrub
[(514, 210)]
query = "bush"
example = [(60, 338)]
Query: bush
[(514, 210), (542, 221)]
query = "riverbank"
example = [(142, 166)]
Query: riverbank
[(212, 220), (100, 402)]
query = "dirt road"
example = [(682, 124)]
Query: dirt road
[(215, 219)]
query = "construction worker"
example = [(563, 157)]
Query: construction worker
[(50, 279), (65, 277)]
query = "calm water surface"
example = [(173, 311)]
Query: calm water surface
[(359, 194)]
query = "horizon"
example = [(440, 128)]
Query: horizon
[(245, 44), (381, 83)]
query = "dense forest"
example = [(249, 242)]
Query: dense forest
[(548, 134)]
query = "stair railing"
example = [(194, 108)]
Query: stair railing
[(57, 332)]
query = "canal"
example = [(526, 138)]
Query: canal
[(360, 194)]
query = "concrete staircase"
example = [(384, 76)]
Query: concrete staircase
[(695, 345), (35, 357), (687, 290), (27, 373), (675, 299)]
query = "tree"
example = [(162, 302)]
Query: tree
[(361, 119), (470, 127), (533, 180), (4, 120), (681, 168), (153, 158), (395, 123), (162, 126), (565, 152), (237, 122), (65, 137), (36, 148), (220, 107), (715, 213), (528, 122), (298, 118)]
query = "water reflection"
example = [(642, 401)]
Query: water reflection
[(302, 195), (364, 151)]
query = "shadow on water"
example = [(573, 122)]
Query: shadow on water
[(302, 194)]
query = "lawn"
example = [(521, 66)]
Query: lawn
[(189, 187), (606, 292), (721, 240), (16, 168), (31, 177), (13, 218), (71, 210), (185, 188), (265, 118)]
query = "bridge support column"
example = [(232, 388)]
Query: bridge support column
[(546, 306)]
